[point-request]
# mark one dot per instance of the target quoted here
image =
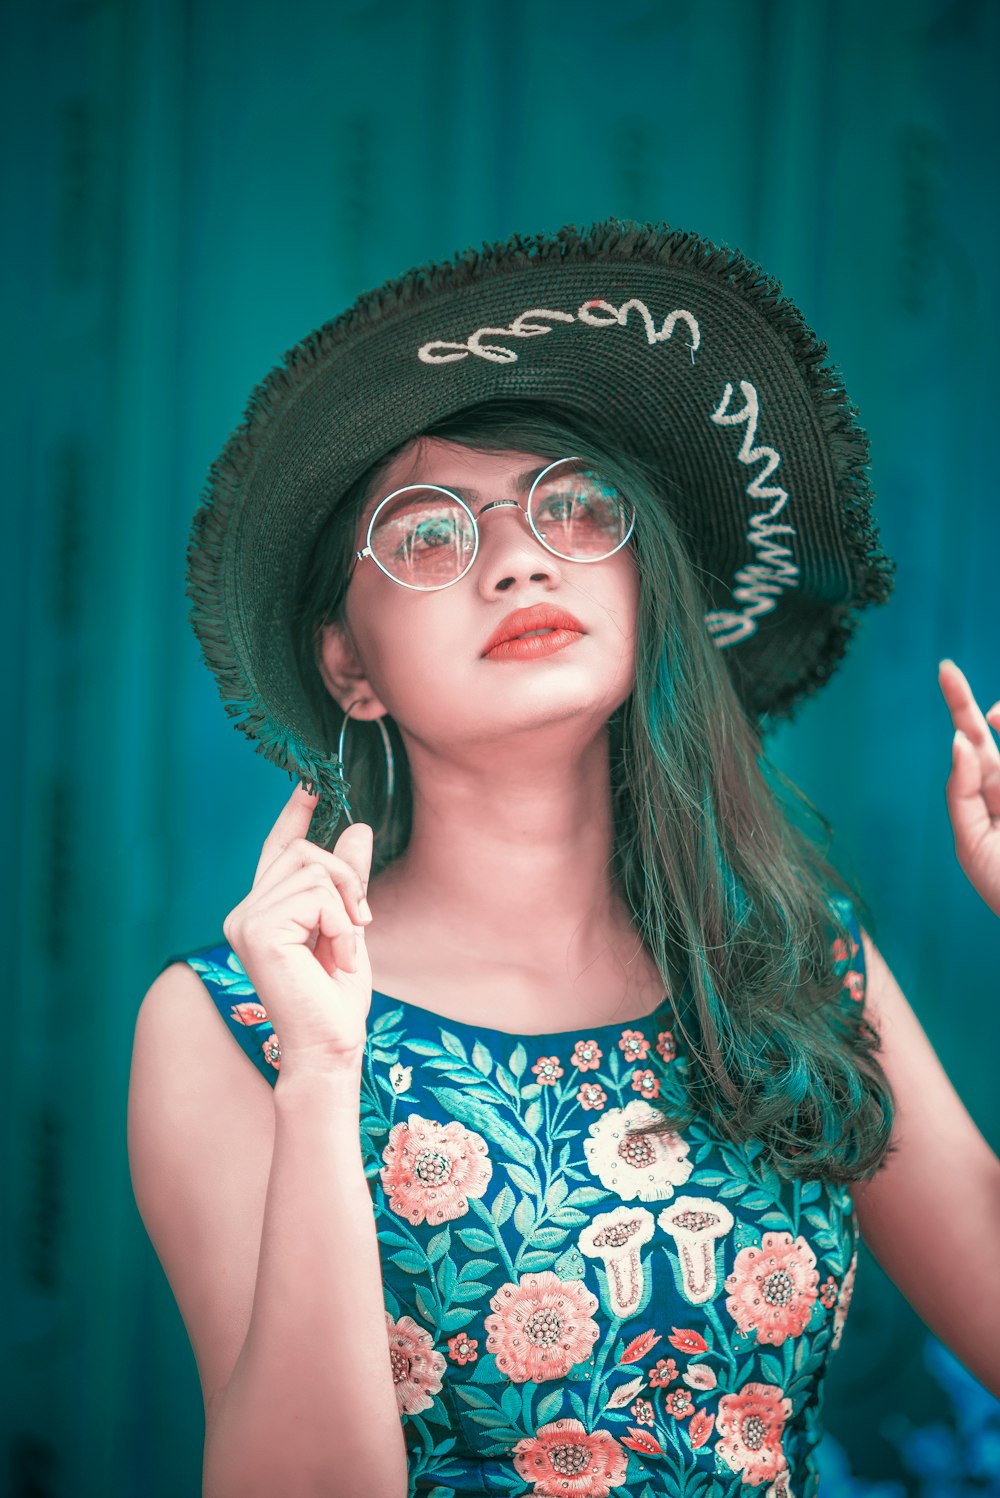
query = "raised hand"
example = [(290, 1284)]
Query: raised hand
[(973, 788), (299, 934)]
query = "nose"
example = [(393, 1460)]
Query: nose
[(509, 548)]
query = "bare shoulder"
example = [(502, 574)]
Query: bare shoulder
[(200, 1139)]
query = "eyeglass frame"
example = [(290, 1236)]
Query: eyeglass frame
[(366, 551)]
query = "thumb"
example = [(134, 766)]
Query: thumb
[(354, 846)]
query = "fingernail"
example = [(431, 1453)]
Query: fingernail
[(364, 909)]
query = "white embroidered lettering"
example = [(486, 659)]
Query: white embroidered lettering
[(531, 323), (759, 585)]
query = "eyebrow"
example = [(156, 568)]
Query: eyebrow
[(523, 481)]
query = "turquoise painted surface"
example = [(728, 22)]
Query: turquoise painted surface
[(192, 187)]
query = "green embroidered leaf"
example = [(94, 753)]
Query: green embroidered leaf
[(508, 1085), (817, 1218), (486, 1371), (472, 1290), (524, 1217), (518, 1060), (556, 1194), (533, 1117), (473, 1267), (423, 1047), (476, 1398), (385, 1057), (446, 1278), (585, 1196), (510, 1403), (429, 1315), (503, 1205), (439, 1245), (386, 1020), (534, 1260), (476, 1239), (772, 1370), (453, 1321), (708, 1178), (531, 1089), (756, 1201), (549, 1406), (409, 1261), (481, 1058), (570, 1217), (525, 1180), (776, 1222), (549, 1237), (484, 1120), (454, 1046)]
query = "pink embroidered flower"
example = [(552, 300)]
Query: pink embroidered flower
[(664, 1373), (563, 1460), (272, 1051), (679, 1403), (643, 1412), (541, 1327), (687, 1341), (249, 1013), (772, 1289), (591, 1095), (700, 1428), (547, 1070), (645, 1083), (700, 1376), (840, 951), (844, 1303), (640, 1440), (463, 1349), (634, 1045), (432, 1169), (665, 1045), (828, 1292), (855, 985), (751, 1423), (587, 1055), (416, 1368), (639, 1346)]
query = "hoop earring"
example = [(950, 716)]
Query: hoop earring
[(390, 767)]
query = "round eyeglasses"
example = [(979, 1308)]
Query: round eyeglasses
[(424, 536)]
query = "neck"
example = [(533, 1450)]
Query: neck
[(511, 860)]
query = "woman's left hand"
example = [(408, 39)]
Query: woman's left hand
[(973, 789)]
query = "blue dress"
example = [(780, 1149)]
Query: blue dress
[(575, 1307)]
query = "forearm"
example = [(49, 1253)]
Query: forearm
[(311, 1408)]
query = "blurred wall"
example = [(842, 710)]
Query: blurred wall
[(189, 188)]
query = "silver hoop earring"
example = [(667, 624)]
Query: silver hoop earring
[(390, 767)]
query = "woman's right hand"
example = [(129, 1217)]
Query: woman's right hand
[(300, 936)]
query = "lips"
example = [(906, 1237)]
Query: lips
[(523, 621)]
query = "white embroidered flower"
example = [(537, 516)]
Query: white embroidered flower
[(632, 1162), (400, 1077), (616, 1237), (695, 1222)]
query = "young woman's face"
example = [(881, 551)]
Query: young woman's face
[(422, 654)]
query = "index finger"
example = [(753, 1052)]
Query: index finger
[(965, 710), (291, 822)]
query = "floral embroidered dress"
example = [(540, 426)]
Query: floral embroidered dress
[(576, 1307)]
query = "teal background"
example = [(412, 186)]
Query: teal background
[(187, 190)]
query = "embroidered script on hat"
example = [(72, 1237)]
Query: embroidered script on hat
[(530, 324), (759, 585)]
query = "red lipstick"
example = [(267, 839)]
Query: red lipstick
[(564, 627)]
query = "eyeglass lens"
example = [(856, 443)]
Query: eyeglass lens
[(427, 540)]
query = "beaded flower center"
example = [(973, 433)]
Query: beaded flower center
[(636, 1150), (778, 1288), (431, 1168), (753, 1432), (695, 1222), (616, 1235), (400, 1365), (543, 1327), (569, 1461)]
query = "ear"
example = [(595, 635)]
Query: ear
[(343, 674)]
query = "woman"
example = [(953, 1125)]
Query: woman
[(557, 1183)]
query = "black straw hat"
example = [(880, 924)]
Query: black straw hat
[(680, 352)]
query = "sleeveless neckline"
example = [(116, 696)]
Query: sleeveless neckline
[(457, 1024)]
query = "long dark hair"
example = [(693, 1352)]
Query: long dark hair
[(719, 857)]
